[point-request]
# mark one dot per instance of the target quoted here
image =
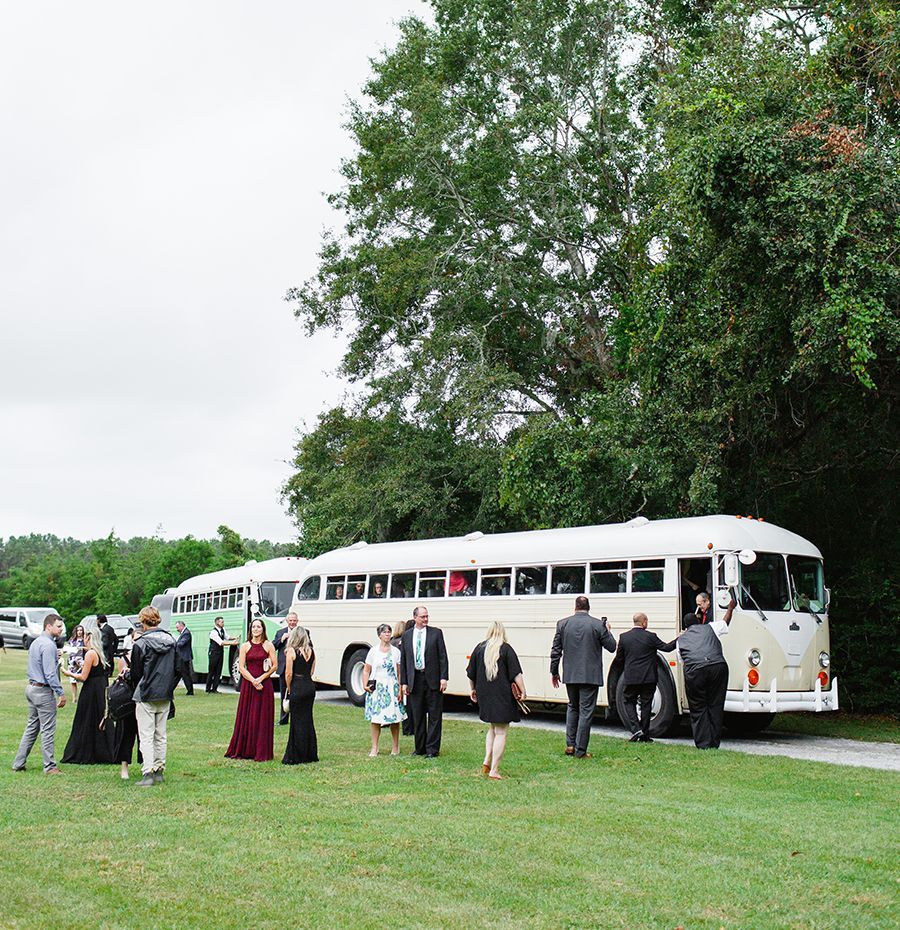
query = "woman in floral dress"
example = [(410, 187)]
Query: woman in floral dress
[(383, 705)]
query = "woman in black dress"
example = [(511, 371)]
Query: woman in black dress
[(88, 744), (493, 667), (125, 731), (299, 663)]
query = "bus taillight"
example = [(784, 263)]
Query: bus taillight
[(753, 676), (823, 678)]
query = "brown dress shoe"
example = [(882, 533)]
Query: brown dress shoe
[(570, 750), (53, 771), (587, 755)]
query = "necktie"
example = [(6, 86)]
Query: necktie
[(419, 651)]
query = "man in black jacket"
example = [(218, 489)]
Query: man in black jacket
[(153, 677), (424, 672), (110, 640), (637, 649), (184, 657)]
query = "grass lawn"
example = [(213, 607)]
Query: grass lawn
[(638, 837)]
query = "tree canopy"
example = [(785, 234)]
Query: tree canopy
[(602, 258)]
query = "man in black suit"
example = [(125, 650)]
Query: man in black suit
[(580, 639), (424, 671), (109, 638), (638, 648), (184, 657), (279, 641)]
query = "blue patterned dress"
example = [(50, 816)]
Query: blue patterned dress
[(383, 705)]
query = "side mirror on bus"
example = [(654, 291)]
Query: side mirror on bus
[(732, 573)]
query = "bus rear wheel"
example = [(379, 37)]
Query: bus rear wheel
[(353, 670), (663, 715), (747, 724)]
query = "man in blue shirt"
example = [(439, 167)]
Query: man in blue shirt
[(44, 695)]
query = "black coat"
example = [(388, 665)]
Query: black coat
[(184, 647), (637, 649), (437, 667)]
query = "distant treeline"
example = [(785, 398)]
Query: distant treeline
[(113, 575)]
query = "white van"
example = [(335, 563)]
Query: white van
[(121, 624), (21, 626)]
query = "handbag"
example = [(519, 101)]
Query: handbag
[(524, 709), (120, 699)]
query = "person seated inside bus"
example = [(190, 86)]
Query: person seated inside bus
[(462, 584), (357, 591), (378, 589), (339, 593)]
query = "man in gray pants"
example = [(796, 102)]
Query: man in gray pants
[(44, 693), (579, 641)]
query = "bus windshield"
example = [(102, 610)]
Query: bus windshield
[(275, 597), (766, 583), (807, 583)]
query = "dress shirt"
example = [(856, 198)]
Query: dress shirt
[(43, 663)]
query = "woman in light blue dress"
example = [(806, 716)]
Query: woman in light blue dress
[(383, 705)]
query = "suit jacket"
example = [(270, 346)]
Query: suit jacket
[(638, 648), (110, 643), (581, 639), (436, 665), (280, 641), (184, 648)]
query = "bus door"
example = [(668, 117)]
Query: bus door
[(695, 575)]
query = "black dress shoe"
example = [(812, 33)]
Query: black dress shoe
[(432, 755), (636, 737), (646, 739)]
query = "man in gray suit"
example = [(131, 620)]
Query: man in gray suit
[(581, 639)]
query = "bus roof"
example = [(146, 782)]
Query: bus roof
[(638, 538), (287, 568)]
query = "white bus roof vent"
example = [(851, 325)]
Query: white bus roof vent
[(637, 521), (358, 545), (471, 537)]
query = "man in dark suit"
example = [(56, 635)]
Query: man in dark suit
[(109, 638), (580, 639), (279, 641), (184, 657), (638, 648), (424, 671)]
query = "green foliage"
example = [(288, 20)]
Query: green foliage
[(111, 575), (662, 280)]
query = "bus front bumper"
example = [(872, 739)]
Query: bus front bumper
[(774, 701)]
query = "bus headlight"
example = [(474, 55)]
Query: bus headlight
[(754, 658), (824, 659)]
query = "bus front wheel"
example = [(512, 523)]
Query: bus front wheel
[(353, 672), (662, 717)]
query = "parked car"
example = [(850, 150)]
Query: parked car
[(21, 626)]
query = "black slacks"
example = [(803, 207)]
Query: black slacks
[(644, 694), (184, 671), (215, 670), (426, 706), (706, 687)]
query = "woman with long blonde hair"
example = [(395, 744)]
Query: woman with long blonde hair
[(299, 665), (493, 670)]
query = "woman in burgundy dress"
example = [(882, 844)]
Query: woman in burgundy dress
[(254, 727)]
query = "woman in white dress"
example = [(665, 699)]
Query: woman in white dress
[(383, 705)]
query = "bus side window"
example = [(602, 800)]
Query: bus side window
[(495, 581), (378, 586), (531, 580), (403, 585), (647, 576), (309, 590), (567, 579), (335, 587), (356, 587), (608, 577), (462, 584), (432, 584)]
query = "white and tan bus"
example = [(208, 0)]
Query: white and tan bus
[(777, 647)]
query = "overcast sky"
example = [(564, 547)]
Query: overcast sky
[(161, 179)]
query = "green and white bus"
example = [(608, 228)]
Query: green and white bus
[(264, 589)]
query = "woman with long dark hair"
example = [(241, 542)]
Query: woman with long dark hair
[(299, 665), (493, 669), (254, 725), (88, 744)]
